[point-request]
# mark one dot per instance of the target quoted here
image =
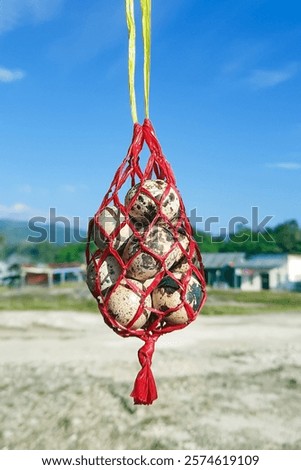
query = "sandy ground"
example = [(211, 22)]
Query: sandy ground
[(223, 383)]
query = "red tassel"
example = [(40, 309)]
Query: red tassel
[(145, 390)]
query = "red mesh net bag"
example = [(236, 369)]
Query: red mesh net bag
[(143, 264)]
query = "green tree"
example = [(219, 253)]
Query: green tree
[(2, 246), (71, 253), (207, 243), (288, 236)]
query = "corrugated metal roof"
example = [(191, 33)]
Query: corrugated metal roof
[(218, 260), (239, 260), (265, 261)]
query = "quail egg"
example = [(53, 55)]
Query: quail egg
[(146, 208), (108, 272), (145, 264), (109, 219), (183, 265), (169, 295), (124, 302)]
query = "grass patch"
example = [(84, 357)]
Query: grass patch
[(3, 289), (268, 299), (75, 298), (215, 310), (46, 301)]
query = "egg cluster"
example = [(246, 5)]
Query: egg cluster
[(144, 269)]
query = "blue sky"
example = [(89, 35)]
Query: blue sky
[(225, 102)]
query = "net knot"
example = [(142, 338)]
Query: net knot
[(145, 390)]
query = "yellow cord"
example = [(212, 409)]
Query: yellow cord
[(146, 6), (146, 32), (130, 18)]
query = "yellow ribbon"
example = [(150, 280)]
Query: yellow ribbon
[(146, 6), (130, 19), (146, 32)]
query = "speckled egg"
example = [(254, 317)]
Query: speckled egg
[(108, 273), (168, 295), (109, 219), (145, 208), (182, 265), (177, 254), (148, 282), (124, 303), (144, 265)]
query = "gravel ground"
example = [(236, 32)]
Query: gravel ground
[(224, 383)]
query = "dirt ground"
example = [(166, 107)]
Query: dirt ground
[(224, 383)]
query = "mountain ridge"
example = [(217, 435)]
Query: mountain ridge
[(16, 232)]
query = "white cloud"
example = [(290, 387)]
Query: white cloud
[(14, 12), (264, 78), (7, 75), (286, 165), (19, 211)]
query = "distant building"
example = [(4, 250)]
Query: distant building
[(264, 272), (51, 274), (9, 274), (221, 269), (15, 259), (3, 272), (253, 273)]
